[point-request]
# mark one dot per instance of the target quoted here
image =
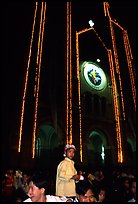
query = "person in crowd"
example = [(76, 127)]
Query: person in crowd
[(18, 179), (37, 191), (132, 190), (125, 188), (85, 192), (21, 186), (102, 194), (20, 195), (8, 188), (66, 175), (120, 191)]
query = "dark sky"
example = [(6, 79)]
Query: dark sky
[(17, 18)]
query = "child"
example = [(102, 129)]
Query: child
[(37, 191), (67, 174)]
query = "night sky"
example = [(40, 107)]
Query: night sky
[(17, 19)]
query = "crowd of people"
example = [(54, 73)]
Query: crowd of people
[(70, 184)]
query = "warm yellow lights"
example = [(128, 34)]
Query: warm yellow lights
[(79, 90), (130, 67), (116, 108), (69, 78), (37, 77), (132, 79), (113, 60), (116, 102), (38, 69), (117, 65), (129, 61), (78, 77), (26, 82)]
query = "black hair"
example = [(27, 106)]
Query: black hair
[(39, 180), (83, 186)]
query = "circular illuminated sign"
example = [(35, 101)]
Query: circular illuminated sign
[(94, 75)]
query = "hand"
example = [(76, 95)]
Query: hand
[(76, 177), (69, 200)]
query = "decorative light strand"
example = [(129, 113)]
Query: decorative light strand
[(67, 85), (116, 108), (129, 60), (103, 44), (70, 64), (117, 65), (40, 45), (26, 81), (78, 77), (38, 52), (69, 77), (79, 92), (116, 102), (36, 84), (130, 67), (116, 105)]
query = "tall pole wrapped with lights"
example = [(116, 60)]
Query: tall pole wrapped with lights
[(69, 76)]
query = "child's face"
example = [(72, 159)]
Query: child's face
[(88, 197), (101, 196), (70, 153)]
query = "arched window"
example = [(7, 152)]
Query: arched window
[(38, 147)]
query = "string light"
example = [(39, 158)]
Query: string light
[(116, 108), (38, 69), (79, 90), (130, 67), (129, 60), (79, 83), (69, 77), (115, 94), (26, 81), (37, 75), (67, 54)]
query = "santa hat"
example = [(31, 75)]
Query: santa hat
[(68, 146)]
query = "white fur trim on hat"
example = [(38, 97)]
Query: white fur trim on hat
[(68, 146)]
